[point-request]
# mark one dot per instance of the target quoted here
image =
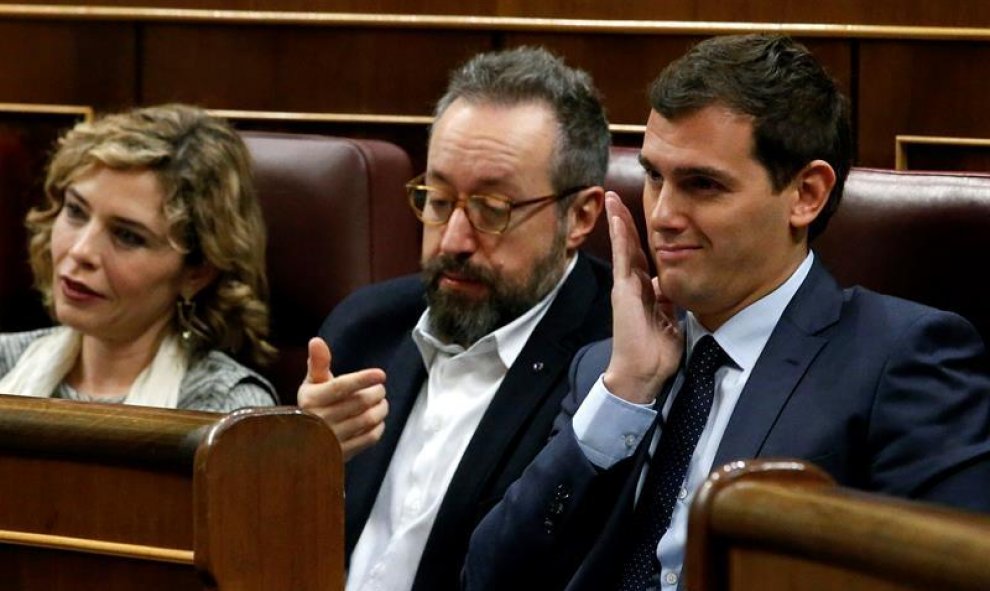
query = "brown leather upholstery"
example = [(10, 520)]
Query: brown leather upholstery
[(922, 236), (337, 219)]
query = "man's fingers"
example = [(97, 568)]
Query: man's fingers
[(362, 423), (340, 387), (355, 445), (318, 362), (627, 254), (618, 234), (359, 380), (352, 405)]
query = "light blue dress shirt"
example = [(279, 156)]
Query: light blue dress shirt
[(609, 429)]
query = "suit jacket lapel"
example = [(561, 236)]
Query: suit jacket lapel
[(541, 365), (365, 472), (793, 345)]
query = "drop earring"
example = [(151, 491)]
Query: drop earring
[(186, 309)]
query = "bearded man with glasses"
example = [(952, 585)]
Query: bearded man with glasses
[(443, 387)]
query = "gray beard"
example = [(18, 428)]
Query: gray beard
[(454, 318)]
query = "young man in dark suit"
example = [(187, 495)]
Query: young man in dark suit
[(745, 152), (445, 386)]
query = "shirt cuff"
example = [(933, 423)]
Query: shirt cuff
[(608, 428)]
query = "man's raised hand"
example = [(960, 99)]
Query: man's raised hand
[(353, 404), (647, 342)]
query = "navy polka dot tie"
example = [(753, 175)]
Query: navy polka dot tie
[(685, 422)]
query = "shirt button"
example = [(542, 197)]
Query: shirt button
[(670, 578), (630, 441), (682, 494)]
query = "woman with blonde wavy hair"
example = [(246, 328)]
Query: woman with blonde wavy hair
[(150, 255)]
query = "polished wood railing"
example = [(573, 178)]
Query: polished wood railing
[(116, 497)]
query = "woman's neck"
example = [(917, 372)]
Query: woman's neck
[(109, 368)]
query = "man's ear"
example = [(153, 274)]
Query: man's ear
[(812, 187), (195, 278), (582, 215)]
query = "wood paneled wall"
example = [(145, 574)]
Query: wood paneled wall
[(946, 13), (909, 80)]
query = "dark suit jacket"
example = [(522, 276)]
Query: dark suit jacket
[(372, 328), (882, 393)]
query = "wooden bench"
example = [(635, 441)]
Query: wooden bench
[(116, 497), (776, 525)]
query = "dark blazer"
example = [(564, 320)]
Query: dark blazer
[(372, 328), (882, 393)]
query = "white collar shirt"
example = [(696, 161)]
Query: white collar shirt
[(459, 387)]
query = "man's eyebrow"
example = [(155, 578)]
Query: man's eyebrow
[(705, 171), (689, 171), (494, 184), (435, 176)]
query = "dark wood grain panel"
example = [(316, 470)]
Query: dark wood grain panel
[(411, 137), (624, 66), (84, 488), (948, 156), (30, 569), (919, 88), (67, 63), (303, 69), (897, 86)]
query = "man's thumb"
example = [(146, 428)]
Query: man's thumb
[(318, 362)]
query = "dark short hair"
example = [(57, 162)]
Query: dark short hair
[(533, 74), (798, 111)]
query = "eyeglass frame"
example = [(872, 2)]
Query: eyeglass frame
[(415, 184)]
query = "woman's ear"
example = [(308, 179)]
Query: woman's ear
[(582, 215), (813, 185), (195, 278)]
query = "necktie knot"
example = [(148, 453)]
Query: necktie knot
[(706, 358)]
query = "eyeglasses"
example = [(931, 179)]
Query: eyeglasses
[(488, 213)]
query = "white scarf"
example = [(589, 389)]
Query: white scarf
[(46, 362)]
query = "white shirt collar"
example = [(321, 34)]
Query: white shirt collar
[(744, 335), (508, 341)]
